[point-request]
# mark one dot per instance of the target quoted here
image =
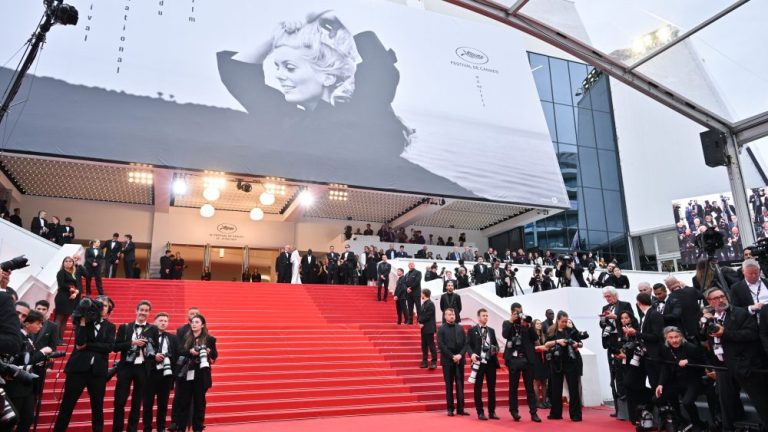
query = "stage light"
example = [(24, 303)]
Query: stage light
[(179, 186), (267, 198), (306, 198), (211, 193), (257, 214), (207, 211)]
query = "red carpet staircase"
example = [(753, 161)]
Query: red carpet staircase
[(288, 352)]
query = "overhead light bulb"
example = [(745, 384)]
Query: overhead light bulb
[(179, 186), (267, 198), (211, 193), (207, 211), (257, 214), (306, 198)]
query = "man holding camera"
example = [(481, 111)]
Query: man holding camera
[(570, 274), (132, 343), (682, 308), (160, 380), (519, 355), (609, 323), (483, 348), (452, 342)]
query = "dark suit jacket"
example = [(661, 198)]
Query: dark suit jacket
[(740, 294), (166, 263), (451, 340), (129, 251), (682, 310), (181, 333), (672, 372), (333, 259), (97, 349), (173, 349), (413, 281), (452, 301), (400, 291), (383, 269), (37, 226), (391, 254), (67, 229), (10, 337), (481, 273), (48, 336), (652, 332), (17, 388), (454, 256), (427, 317), (421, 254), (111, 251), (475, 344), (742, 351), (90, 258), (619, 307), (402, 254), (16, 220), (528, 336), (125, 336)]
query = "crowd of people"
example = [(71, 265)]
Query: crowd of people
[(388, 234), (692, 219)]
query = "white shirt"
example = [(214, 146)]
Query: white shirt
[(137, 335), (758, 291)]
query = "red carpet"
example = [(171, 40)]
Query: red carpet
[(288, 352), (595, 420)]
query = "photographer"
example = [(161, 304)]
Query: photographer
[(462, 278), (198, 352), (611, 332), (451, 300), (682, 308), (519, 356), (618, 280), (161, 369), (564, 358), (569, 274), (537, 280), (483, 349), (88, 364), (10, 341), (133, 368)]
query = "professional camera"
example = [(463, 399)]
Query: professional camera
[(526, 318), (668, 420), (133, 352), (591, 267), (515, 342), (710, 325), (17, 373), (203, 350), (87, 308), (61, 13), (9, 414), (710, 241), (165, 366), (557, 352), (636, 349), (473, 374), (14, 263), (56, 354), (582, 335)]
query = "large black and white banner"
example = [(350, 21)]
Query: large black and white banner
[(366, 93)]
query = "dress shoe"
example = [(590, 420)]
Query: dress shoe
[(613, 414), (493, 416), (549, 417), (482, 416), (576, 419), (450, 413), (423, 365), (462, 413), (535, 418), (433, 365), (515, 416), (540, 405)]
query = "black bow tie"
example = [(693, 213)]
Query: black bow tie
[(141, 326)]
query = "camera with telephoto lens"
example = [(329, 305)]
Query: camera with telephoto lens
[(133, 352), (711, 325), (473, 374), (608, 328), (20, 374), (557, 352), (635, 349), (710, 241), (56, 354), (14, 263), (87, 308), (165, 366), (526, 318), (582, 335), (9, 414), (203, 350), (591, 267)]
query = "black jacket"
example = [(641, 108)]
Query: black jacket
[(48, 336), (173, 349), (17, 388), (482, 273), (742, 350), (67, 229), (93, 255), (10, 337), (475, 344), (528, 339), (124, 338), (682, 310), (451, 301), (620, 282), (37, 226), (741, 296), (129, 251), (400, 290), (462, 281), (427, 317), (413, 281), (383, 269), (451, 340), (97, 349), (112, 250), (652, 332), (671, 371)]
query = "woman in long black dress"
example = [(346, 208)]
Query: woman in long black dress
[(540, 366), (67, 294)]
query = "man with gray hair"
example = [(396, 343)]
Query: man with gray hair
[(645, 288), (610, 324), (682, 308), (752, 292)]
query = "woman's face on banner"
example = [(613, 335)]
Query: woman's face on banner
[(299, 81)]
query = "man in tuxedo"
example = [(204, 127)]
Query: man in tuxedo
[(682, 308), (660, 297), (39, 224), (467, 255), (87, 367), (452, 342), (610, 324), (283, 265), (519, 355), (428, 329), (402, 253), (166, 265), (178, 266), (133, 368), (67, 231), (348, 266), (16, 217), (129, 256), (752, 292), (160, 379), (736, 343), (391, 253), (482, 348), (383, 269), (481, 272), (368, 230), (182, 331), (451, 300), (413, 292), (332, 258), (604, 277), (309, 268), (112, 255), (454, 255), (48, 336), (422, 253), (93, 256), (400, 297)]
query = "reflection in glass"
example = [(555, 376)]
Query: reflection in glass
[(561, 81), (566, 128), (593, 201)]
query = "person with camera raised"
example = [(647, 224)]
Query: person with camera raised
[(160, 379), (537, 282), (89, 362), (609, 323), (564, 358), (519, 356), (570, 274), (483, 348), (198, 352), (132, 370), (627, 353), (452, 342)]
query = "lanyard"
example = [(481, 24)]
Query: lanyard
[(757, 294)]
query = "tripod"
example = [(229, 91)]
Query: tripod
[(514, 285)]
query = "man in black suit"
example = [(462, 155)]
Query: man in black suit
[(422, 253), (391, 253), (609, 323), (480, 272), (752, 292), (402, 253), (39, 224), (309, 268), (737, 344), (451, 300), (682, 308), (413, 291), (483, 348), (428, 329), (112, 255), (519, 355), (383, 269), (67, 231), (283, 265), (48, 336), (348, 266), (166, 265), (23, 394), (182, 331), (332, 258), (604, 277), (16, 217), (452, 342), (133, 368), (129, 256), (161, 366), (400, 298), (87, 367), (93, 256)]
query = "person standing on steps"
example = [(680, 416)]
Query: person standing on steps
[(93, 256), (161, 367), (483, 349), (413, 290), (383, 269), (428, 329), (400, 298), (194, 378), (519, 355), (451, 300), (453, 345)]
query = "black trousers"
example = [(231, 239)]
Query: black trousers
[(25, 412), (333, 275), (128, 268), (636, 391), (111, 270), (382, 284), (157, 386), (93, 273), (428, 343), (402, 314), (414, 303), (754, 386), (74, 385), (190, 396), (485, 373), (571, 376), (453, 375), (518, 366), (128, 374), (684, 392), (730, 402)]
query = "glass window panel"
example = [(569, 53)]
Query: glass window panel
[(599, 94), (556, 239), (585, 128), (668, 242), (604, 130), (549, 114), (572, 219), (595, 209), (566, 129), (597, 238), (578, 72), (582, 213), (609, 170), (568, 157), (614, 210), (540, 70), (588, 167), (561, 81)]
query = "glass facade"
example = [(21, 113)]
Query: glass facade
[(580, 122)]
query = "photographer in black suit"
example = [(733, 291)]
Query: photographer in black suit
[(609, 323), (519, 356), (88, 364), (135, 360), (112, 255), (413, 291), (452, 342), (563, 344), (428, 329), (682, 308), (93, 257), (483, 348), (161, 367)]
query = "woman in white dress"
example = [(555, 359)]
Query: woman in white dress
[(295, 262)]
